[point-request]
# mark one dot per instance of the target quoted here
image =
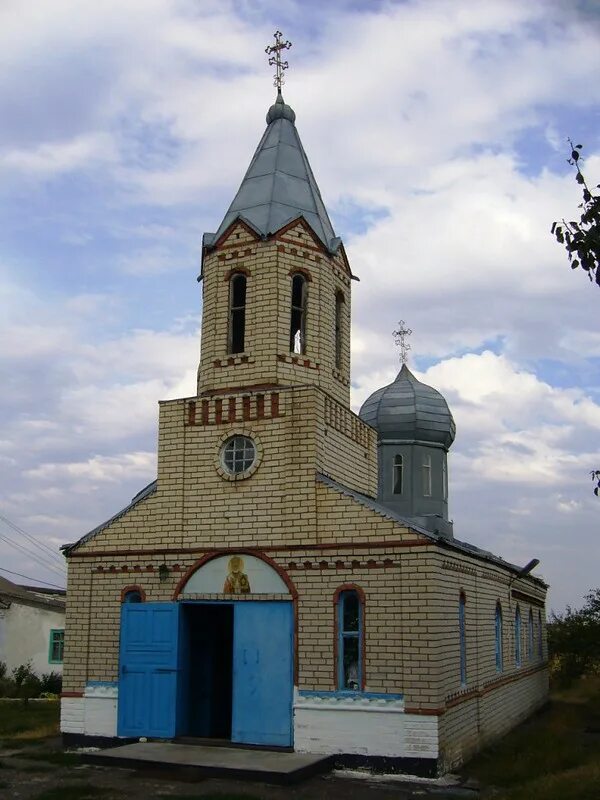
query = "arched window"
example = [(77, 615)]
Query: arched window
[(444, 478), (237, 313), (298, 315), (462, 603), (540, 639), (339, 308), (398, 473), (350, 633), (518, 637), (132, 596), (530, 636), (427, 475), (498, 632)]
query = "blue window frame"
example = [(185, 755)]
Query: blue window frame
[(56, 648), (518, 637), (462, 638), (530, 636), (499, 659), (350, 617)]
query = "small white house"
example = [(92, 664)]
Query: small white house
[(32, 627)]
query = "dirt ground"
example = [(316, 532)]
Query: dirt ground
[(45, 772)]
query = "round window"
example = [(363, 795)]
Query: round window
[(238, 454)]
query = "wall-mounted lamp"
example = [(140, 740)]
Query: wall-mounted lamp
[(163, 573)]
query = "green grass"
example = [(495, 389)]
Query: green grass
[(31, 721), (82, 791), (550, 757)]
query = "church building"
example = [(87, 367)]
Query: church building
[(291, 579)]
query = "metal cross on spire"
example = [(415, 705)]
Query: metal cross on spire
[(276, 61), (400, 339)]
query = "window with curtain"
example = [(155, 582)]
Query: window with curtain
[(462, 603), (498, 634), (530, 636), (518, 637), (57, 646), (350, 638)]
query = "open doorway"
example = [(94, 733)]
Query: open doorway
[(209, 680)]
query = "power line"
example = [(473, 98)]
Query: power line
[(29, 578), (29, 537), (35, 556)]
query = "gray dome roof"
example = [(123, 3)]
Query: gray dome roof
[(409, 410)]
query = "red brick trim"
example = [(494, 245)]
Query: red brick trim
[(241, 270), (350, 587), (245, 550), (133, 588), (71, 694), (292, 548), (306, 227), (425, 712), (257, 387), (301, 271), (223, 237), (191, 412)]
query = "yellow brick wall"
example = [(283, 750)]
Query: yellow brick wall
[(267, 358)]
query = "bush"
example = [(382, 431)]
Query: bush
[(574, 641), (51, 683), (24, 683)]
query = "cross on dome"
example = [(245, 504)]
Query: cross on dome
[(400, 337), (275, 60)]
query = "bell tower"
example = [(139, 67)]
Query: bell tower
[(275, 278)]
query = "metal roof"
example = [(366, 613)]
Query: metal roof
[(408, 410), (32, 595), (279, 185), (443, 541)]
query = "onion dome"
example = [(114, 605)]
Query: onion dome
[(280, 110), (409, 411)]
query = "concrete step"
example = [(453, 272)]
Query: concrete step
[(267, 766)]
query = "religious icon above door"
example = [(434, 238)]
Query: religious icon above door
[(236, 581)]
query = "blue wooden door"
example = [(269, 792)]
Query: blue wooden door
[(262, 673), (148, 670)]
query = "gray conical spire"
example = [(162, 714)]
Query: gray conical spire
[(279, 185)]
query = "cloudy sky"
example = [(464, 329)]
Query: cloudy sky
[(437, 132)]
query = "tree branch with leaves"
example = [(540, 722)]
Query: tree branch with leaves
[(581, 239)]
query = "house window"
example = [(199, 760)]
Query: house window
[(427, 475), (133, 596), (540, 640), (237, 313), (350, 618), (530, 636), (298, 315), (462, 638), (339, 307), (398, 470), (57, 646), (518, 637), (499, 660)]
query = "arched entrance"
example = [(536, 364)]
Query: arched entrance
[(217, 662)]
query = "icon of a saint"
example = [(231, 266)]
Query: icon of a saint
[(236, 581)]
